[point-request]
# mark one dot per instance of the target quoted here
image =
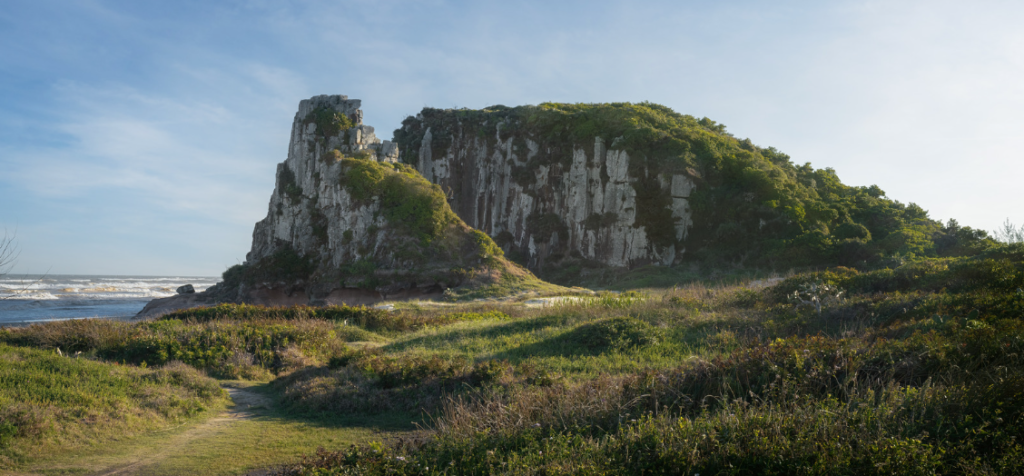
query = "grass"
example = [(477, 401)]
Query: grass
[(227, 445), (923, 378), (50, 402), (912, 370), (514, 283)]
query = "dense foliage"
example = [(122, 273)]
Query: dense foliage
[(752, 206)]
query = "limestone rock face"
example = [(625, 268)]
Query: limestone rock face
[(309, 210), (550, 201), (349, 224)]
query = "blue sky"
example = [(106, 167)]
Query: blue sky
[(142, 137)]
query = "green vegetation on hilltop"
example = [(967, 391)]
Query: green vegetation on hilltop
[(407, 200), (752, 206), (329, 123)]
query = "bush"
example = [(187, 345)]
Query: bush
[(407, 200), (230, 349), (615, 334)]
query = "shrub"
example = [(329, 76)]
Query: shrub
[(328, 123), (407, 200), (615, 334)]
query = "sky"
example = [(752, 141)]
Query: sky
[(143, 137)]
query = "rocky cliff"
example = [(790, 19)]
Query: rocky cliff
[(349, 224), (549, 194), (347, 220), (560, 188), (567, 187)]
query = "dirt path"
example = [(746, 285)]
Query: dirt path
[(245, 401), (249, 435)]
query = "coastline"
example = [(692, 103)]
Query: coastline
[(28, 299)]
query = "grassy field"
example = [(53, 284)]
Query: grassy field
[(51, 403), (912, 370), (222, 443)]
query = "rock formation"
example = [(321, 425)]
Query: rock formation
[(568, 187), (349, 224), (347, 221), (558, 187), (547, 196)]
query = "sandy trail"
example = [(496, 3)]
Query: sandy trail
[(245, 402)]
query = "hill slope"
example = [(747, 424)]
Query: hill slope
[(572, 186)]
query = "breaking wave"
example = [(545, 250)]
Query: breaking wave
[(27, 298)]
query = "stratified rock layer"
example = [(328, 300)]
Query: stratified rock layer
[(548, 198)]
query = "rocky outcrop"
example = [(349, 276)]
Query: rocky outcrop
[(309, 210), (161, 306), (348, 223), (548, 197)]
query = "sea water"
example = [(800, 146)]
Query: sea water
[(25, 299)]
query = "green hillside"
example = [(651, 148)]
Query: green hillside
[(753, 207)]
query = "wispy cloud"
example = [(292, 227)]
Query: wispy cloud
[(158, 126), (174, 155)]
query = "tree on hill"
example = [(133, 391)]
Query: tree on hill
[(1008, 233)]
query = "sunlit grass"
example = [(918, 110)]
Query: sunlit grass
[(49, 401), (912, 369)]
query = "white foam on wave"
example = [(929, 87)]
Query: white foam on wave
[(93, 288), (160, 279), (25, 295), (120, 295)]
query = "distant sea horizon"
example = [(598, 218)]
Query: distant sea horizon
[(27, 299)]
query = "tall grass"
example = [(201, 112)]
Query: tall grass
[(49, 400), (227, 349), (915, 370), (372, 319)]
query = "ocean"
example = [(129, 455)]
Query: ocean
[(25, 299)]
